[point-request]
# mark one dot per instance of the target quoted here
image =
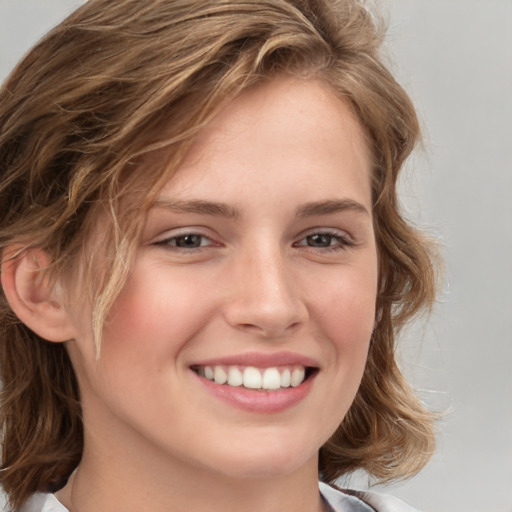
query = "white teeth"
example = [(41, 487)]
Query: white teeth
[(254, 378), (208, 372), (219, 375), (297, 376), (235, 377), (271, 379), (285, 378)]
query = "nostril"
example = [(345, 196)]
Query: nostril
[(270, 329), (251, 327)]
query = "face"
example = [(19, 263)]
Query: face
[(239, 340)]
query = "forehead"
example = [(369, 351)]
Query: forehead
[(285, 130)]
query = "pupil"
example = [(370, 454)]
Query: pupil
[(319, 240), (189, 241)]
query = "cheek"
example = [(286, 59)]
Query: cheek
[(345, 304), (345, 315), (155, 315)]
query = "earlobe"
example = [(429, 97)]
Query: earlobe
[(35, 300)]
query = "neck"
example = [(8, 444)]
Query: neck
[(101, 485)]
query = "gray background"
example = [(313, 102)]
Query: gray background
[(455, 59)]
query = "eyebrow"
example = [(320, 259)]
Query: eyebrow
[(204, 207), (330, 206), (199, 206)]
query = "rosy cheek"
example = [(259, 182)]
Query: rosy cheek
[(128, 317), (154, 309), (349, 317)]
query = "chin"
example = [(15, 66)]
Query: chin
[(263, 462)]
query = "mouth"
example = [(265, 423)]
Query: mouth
[(273, 378)]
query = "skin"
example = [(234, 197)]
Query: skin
[(156, 438)]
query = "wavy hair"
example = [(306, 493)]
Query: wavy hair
[(117, 82)]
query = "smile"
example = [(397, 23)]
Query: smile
[(251, 377)]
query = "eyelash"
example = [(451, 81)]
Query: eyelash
[(171, 242), (342, 242)]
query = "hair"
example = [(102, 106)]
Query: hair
[(118, 82)]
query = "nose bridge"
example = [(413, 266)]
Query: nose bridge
[(265, 296)]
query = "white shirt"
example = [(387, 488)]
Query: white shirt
[(349, 501)]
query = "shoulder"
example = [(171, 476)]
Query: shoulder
[(362, 501), (340, 501), (41, 502)]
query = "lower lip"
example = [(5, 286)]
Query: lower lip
[(258, 401)]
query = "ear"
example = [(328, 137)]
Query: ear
[(35, 300)]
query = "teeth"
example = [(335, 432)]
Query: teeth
[(297, 376), (219, 375), (254, 378), (271, 379), (235, 377), (285, 378)]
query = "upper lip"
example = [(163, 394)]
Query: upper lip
[(260, 360)]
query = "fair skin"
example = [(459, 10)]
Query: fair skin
[(260, 252)]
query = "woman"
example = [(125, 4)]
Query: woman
[(204, 267)]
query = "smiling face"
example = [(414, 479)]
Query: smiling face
[(239, 340)]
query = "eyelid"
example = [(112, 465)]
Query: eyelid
[(345, 239), (164, 239), (342, 233)]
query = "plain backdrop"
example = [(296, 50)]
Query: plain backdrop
[(455, 59)]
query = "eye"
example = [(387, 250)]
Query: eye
[(325, 240), (186, 241), (320, 240)]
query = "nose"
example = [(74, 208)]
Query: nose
[(265, 299)]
